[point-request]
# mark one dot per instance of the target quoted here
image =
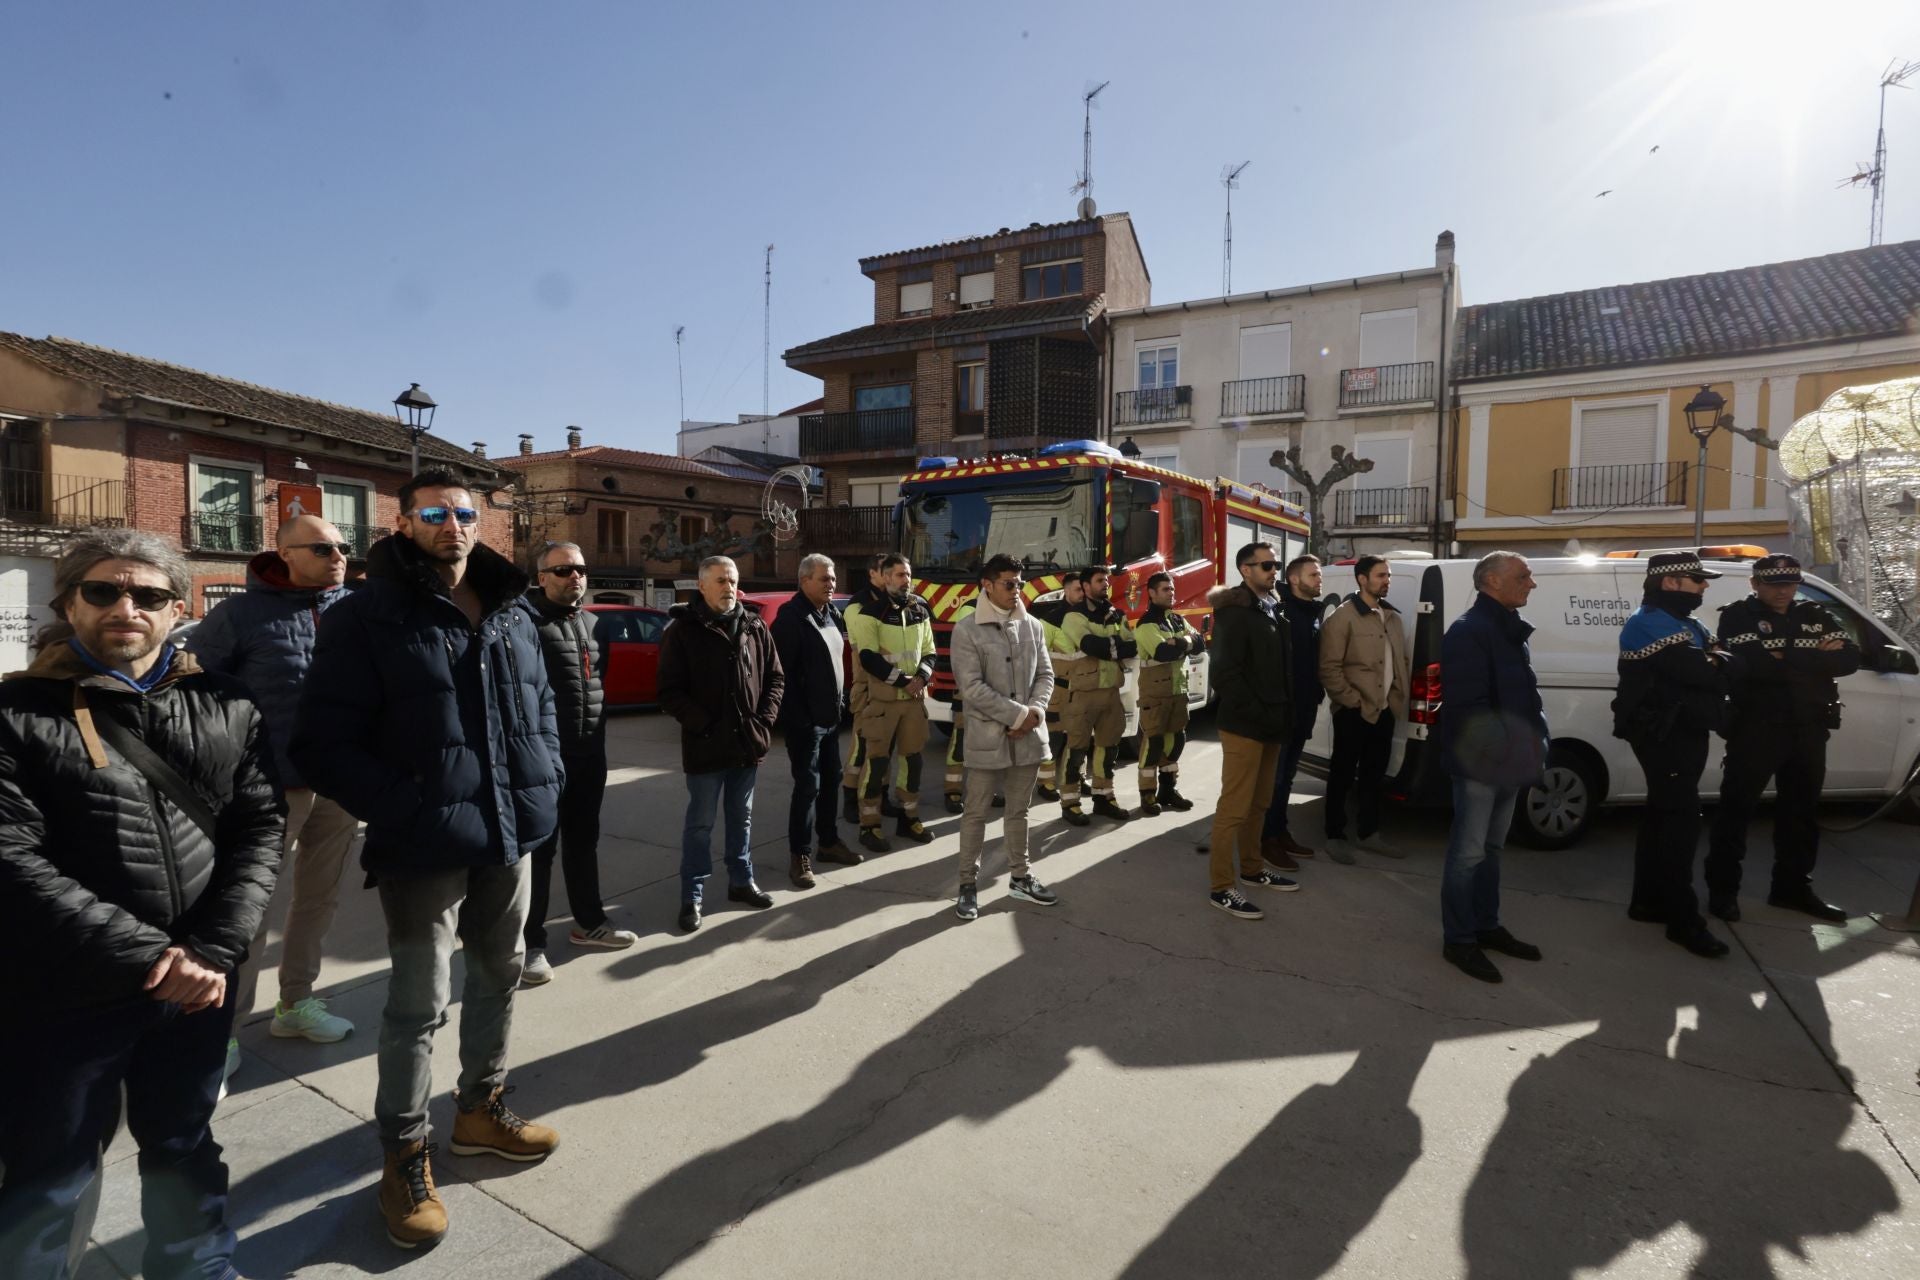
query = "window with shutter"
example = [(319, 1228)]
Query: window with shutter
[(916, 299), (976, 290), (1266, 351), (1618, 435), (1389, 337)]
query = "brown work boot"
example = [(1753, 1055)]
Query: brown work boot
[(800, 871), (1273, 851), (839, 855), (408, 1199), (490, 1129), (1296, 849)]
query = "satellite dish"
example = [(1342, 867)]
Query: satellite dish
[(1087, 209)]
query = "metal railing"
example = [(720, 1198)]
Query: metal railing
[(74, 502), (1157, 404), (224, 531), (1357, 507), (1631, 484), (1386, 384), (1250, 397), (361, 538), (846, 529), (866, 431)]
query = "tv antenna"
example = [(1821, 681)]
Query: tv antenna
[(1874, 175), (1085, 185), (766, 344), (680, 366), (1230, 179)]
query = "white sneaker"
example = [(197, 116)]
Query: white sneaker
[(226, 1072), (308, 1020), (537, 971), (604, 936)]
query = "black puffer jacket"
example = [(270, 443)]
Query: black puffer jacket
[(1251, 663), (437, 734), (98, 872), (575, 659), (724, 689)]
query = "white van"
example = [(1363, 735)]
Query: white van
[(1577, 609)]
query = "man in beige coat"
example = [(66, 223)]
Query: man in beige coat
[(1363, 664), (1004, 678)]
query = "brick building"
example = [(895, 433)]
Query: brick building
[(987, 345), (90, 436), (645, 520)]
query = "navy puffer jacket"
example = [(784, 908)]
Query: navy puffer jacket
[(1493, 727), (439, 735), (264, 639)]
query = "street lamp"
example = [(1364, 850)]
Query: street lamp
[(1128, 449), (417, 407), (1703, 415)]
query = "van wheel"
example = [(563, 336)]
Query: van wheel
[(1555, 814)]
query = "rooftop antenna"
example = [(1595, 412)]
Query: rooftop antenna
[(1874, 175), (1230, 179), (680, 365), (1085, 185), (766, 346)]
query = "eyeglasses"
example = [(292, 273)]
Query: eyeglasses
[(326, 549), (104, 595), (568, 570), (438, 515), (1268, 565), (1006, 584)]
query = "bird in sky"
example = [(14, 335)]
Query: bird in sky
[(1656, 147), (1607, 192)]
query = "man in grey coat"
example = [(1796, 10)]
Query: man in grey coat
[(1004, 679)]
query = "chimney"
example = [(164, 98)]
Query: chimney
[(480, 448), (573, 438), (1443, 250), (526, 443)]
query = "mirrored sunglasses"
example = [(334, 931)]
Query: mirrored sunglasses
[(438, 515)]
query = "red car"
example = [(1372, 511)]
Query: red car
[(629, 635)]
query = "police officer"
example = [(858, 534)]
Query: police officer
[(1051, 614), (1783, 707), (1098, 640), (1165, 641), (1671, 700), (893, 647)]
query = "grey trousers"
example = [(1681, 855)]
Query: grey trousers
[(319, 835), (488, 908), (1016, 784)]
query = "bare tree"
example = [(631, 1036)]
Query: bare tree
[(1345, 465)]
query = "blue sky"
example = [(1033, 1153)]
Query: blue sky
[(514, 204)]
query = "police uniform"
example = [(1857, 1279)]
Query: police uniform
[(1784, 705), (1671, 700), (893, 645), (1166, 640), (1098, 640)]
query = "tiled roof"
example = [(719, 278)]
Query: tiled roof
[(1842, 297), (978, 244), (944, 330), (121, 374), (607, 455)]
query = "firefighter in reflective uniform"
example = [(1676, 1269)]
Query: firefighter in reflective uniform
[(893, 649), (1051, 615), (1166, 640), (1099, 640), (873, 595), (956, 740), (1784, 704)]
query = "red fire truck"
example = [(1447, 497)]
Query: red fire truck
[(1072, 504)]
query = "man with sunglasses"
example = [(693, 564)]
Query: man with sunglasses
[(575, 659), (427, 713), (140, 831), (264, 639)]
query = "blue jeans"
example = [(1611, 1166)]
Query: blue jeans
[(814, 753), (1470, 882), (63, 1101), (732, 789), (1276, 823)]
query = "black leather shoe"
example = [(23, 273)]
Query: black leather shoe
[(1149, 807), (1806, 900), (1645, 914), (873, 842), (1171, 799), (1508, 945), (1074, 815), (750, 894), (1045, 794), (1106, 808), (1471, 961), (911, 828), (1699, 940), (689, 916), (1727, 908), (954, 803)]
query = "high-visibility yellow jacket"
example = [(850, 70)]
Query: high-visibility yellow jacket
[(1166, 641), (1098, 640), (892, 644)]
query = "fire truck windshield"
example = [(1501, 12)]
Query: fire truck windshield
[(945, 534)]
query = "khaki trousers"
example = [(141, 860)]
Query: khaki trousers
[(1016, 784), (319, 834), (1247, 767), (888, 728), (1095, 721)]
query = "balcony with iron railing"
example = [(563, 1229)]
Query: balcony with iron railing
[(863, 431), (361, 538), (224, 532), (855, 529), (70, 502), (1377, 508), (1264, 397), (1378, 386), (1156, 404), (1622, 485)]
